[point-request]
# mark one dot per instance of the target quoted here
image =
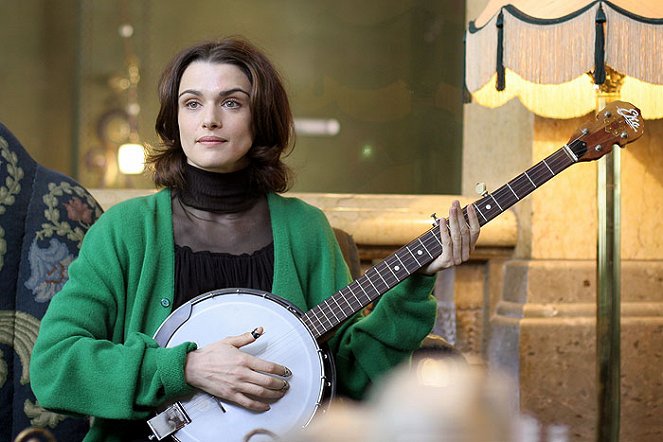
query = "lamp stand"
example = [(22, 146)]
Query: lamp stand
[(608, 302)]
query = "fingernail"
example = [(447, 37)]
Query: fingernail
[(255, 333), (287, 373)]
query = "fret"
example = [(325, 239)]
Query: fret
[(436, 246), (481, 213), (397, 268), (512, 191), (497, 202), (388, 273), (368, 278), (408, 249), (322, 316), (312, 324), (400, 264), (333, 298), (383, 280), (314, 313), (346, 298), (316, 316), (504, 198), (427, 247), (326, 302), (355, 296), (551, 171), (530, 179), (362, 288), (322, 310), (540, 174), (437, 236), (422, 245), (523, 184), (489, 211), (404, 267)]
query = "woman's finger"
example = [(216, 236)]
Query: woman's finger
[(475, 227), (456, 240), (245, 338), (466, 244)]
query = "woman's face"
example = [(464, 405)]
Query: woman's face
[(214, 116)]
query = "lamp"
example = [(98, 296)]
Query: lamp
[(540, 51), (131, 155), (131, 158)]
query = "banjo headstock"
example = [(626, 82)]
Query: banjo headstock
[(619, 123)]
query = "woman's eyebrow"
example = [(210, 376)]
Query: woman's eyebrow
[(221, 94)]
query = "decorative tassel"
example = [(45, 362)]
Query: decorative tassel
[(501, 83), (549, 52), (480, 55), (467, 96), (634, 45), (599, 48)]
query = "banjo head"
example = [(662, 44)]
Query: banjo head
[(286, 340)]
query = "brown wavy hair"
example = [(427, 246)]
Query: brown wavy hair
[(271, 117)]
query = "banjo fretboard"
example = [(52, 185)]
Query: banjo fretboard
[(418, 253)]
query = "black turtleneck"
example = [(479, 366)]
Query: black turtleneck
[(218, 192), (223, 234)]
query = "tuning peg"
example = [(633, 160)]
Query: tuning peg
[(480, 188)]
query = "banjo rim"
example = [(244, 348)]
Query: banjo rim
[(180, 316)]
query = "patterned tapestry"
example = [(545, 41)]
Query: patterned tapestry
[(43, 218)]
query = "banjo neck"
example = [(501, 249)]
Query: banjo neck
[(619, 123), (418, 253)]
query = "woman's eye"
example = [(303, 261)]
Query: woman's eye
[(192, 105), (231, 104)]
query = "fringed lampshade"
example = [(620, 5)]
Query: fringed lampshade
[(542, 52)]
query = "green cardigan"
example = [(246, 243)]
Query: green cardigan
[(95, 354)]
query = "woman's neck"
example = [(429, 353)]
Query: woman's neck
[(217, 192)]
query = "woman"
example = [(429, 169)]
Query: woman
[(225, 123)]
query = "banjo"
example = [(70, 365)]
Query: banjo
[(296, 338)]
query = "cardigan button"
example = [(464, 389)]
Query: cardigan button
[(165, 302)]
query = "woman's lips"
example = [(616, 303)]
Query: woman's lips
[(211, 140)]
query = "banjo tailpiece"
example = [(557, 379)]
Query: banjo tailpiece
[(168, 421)]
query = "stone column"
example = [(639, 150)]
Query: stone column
[(543, 330)]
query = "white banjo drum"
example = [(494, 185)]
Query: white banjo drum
[(221, 313), (291, 337)]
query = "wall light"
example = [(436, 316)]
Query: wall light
[(317, 127), (131, 158)]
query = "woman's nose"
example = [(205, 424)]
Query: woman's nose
[(211, 120)]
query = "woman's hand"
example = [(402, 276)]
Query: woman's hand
[(457, 241), (224, 371)]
